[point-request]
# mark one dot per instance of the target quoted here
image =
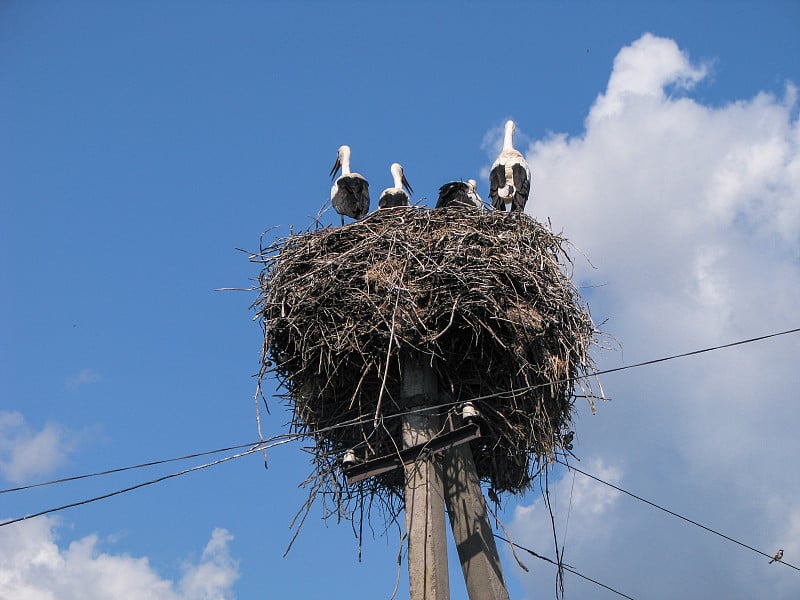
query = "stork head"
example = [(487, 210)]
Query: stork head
[(342, 158), (400, 178)]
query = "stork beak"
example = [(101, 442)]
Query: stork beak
[(407, 185), (336, 166)]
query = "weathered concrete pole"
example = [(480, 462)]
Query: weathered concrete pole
[(472, 530), (425, 524)]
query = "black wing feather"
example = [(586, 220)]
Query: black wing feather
[(497, 180), (522, 187), (392, 199), (355, 196), (453, 194)]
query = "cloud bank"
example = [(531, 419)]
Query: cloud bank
[(25, 453), (84, 377), (690, 214), (33, 567)]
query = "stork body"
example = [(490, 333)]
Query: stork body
[(400, 193), (350, 192), (459, 193), (510, 176)]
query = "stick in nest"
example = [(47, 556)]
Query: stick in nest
[(485, 296)]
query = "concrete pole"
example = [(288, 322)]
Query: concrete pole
[(425, 524), (472, 530)]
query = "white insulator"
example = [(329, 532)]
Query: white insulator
[(469, 413), (349, 459)]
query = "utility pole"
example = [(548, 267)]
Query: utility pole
[(472, 530), (425, 524)]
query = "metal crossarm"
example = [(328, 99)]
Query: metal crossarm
[(376, 466)]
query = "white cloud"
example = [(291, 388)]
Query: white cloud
[(34, 566), (576, 501), (691, 215), (25, 453), (82, 378), (645, 69), (213, 577)]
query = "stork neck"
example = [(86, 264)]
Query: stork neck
[(508, 139), (344, 159)]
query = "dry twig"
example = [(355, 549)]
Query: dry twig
[(485, 296)]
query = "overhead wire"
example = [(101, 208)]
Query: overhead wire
[(637, 365), (361, 421), (695, 352), (673, 513), (563, 566), (255, 448), (137, 466), (285, 438)]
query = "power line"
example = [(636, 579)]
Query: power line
[(674, 514), (362, 421), (563, 566), (132, 467), (255, 448), (291, 437), (694, 352), (636, 365), (528, 388)]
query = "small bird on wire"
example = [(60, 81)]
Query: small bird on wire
[(400, 194), (510, 176), (350, 192), (459, 193), (778, 556)]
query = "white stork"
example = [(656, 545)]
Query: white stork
[(350, 192), (400, 194), (510, 177), (459, 193)]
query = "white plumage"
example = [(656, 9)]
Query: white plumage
[(350, 192), (459, 193), (400, 193), (510, 177)]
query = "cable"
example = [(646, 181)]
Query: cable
[(139, 466), (293, 436), (636, 365), (359, 421), (674, 514), (704, 350), (563, 566), (255, 448)]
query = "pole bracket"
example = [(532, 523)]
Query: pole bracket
[(384, 464)]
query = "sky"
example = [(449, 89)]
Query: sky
[(142, 145)]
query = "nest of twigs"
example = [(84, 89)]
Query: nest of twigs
[(484, 297)]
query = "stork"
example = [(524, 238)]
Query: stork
[(510, 177), (459, 193), (350, 192), (400, 194)]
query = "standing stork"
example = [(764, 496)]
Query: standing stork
[(459, 193), (510, 177), (350, 192), (400, 194)]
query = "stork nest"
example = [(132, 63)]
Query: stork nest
[(483, 297)]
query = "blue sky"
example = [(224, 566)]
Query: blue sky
[(142, 143)]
